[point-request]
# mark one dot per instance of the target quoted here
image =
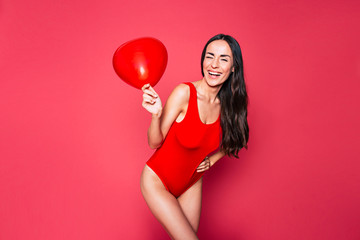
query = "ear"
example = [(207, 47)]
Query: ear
[(232, 69)]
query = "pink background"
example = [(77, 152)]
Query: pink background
[(73, 136)]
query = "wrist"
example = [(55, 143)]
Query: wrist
[(157, 115)]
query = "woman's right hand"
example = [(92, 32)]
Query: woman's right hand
[(151, 100)]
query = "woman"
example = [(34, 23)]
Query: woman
[(205, 117)]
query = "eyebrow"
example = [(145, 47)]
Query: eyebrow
[(222, 55)]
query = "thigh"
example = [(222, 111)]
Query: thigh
[(165, 206), (190, 202)]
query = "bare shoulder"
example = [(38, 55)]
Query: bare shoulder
[(180, 95), (176, 104)]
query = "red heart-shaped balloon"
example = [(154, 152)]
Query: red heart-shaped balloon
[(140, 61)]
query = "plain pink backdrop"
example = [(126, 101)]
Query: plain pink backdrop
[(73, 136)]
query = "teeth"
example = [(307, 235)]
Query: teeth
[(214, 74)]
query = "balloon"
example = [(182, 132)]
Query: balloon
[(140, 61)]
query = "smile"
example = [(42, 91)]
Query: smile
[(214, 73)]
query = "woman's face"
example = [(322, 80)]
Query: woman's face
[(218, 62)]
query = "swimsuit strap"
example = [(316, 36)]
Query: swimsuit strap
[(192, 107)]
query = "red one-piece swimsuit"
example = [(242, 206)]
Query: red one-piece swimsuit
[(186, 145)]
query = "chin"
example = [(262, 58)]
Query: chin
[(214, 82)]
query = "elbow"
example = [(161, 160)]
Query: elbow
[(154, 143), (154, 146)]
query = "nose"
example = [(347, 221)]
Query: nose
[(215, 63)]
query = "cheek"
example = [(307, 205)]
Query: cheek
[(205, 63), (227, 67)]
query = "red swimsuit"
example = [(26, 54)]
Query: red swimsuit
[(184, 148)]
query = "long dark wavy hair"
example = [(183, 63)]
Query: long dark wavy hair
[(233, 101)]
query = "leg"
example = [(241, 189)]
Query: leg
[(190, 202), (165, 206)]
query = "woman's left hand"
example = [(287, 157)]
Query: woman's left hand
[(204, 165)]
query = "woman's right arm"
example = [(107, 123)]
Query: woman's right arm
[(163, 118)]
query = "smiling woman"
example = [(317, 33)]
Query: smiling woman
[(188, 129), (218, 62), (232, 94)]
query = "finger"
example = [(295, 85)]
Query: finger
[(151, 93), (147, 105), (145, 95), (152, 89), (202, 167), (202, 170), (149, 99), (145, 86)]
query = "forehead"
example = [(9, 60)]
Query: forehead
[(219, 47)]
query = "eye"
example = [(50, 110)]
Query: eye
[(210, 57), (224, 59)]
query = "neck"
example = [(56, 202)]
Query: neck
[(208, 92)]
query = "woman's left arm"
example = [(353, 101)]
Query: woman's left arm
[(209, 161)]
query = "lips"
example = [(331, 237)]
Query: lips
[(212, 73)]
